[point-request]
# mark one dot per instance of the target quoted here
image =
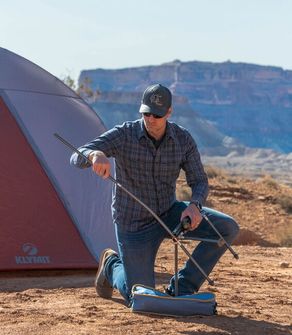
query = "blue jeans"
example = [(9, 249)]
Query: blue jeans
[(137, 252)]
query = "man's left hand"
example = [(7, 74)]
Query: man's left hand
[(193, 212)]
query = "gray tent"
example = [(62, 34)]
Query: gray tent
[(52, 214)]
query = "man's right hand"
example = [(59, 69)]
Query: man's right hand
[(100, 163)]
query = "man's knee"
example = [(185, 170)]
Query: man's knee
[(231, 228)]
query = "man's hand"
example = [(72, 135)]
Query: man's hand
[(193, 212), (100, 163)]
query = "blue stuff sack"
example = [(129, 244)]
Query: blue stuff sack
[(148, 300)]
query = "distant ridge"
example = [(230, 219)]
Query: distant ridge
[(247, 102)]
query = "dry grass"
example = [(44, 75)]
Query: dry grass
[(285, 236), (183, 192), (214, 172), (262, 207), (270, 182), (285, 201)]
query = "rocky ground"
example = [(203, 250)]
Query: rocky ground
[(255, 162), (253, 293)]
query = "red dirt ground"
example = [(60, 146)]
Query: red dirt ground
[(253, 293)]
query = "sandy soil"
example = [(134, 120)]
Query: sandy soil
[(253, 293)]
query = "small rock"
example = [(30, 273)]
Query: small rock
[(284, 265)]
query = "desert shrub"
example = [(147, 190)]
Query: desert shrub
[(285, 236), (269, 181), (285, 201), (232, 180), (183, 192), (214, 172)]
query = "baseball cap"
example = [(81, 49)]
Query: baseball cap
[(156, 99)]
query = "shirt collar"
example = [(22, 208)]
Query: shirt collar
[(141, 131)]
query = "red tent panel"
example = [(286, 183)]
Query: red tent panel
[(35, 228)]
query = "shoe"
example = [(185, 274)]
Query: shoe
[(102, 286)]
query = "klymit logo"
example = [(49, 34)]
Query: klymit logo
[(30, 255)]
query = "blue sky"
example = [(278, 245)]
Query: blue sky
[(65, 37)]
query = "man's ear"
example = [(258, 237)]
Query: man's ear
[(168, 114)]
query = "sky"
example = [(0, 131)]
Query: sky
[(67, 36)]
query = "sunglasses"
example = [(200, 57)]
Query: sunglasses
[(155, 116)]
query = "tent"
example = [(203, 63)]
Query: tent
[(52, 215)]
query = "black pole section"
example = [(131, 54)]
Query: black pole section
[(174, 238)]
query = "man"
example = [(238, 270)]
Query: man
[(149, 154)]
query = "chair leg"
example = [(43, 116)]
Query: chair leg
[(175, 270)]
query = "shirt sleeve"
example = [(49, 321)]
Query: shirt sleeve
[(195, 175), (109, 143)]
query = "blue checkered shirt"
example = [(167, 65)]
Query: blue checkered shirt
[(149, 173)]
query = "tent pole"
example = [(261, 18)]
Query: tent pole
[(174, 238)]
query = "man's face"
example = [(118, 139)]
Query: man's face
[(155, 125)]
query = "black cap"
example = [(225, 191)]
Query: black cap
[(156, 100)]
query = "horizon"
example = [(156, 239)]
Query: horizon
[(189, 61)]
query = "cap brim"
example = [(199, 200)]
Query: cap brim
[(155, 111)]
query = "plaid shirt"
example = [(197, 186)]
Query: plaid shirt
[(149, 173)]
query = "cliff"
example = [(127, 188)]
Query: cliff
[(236, 102)]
